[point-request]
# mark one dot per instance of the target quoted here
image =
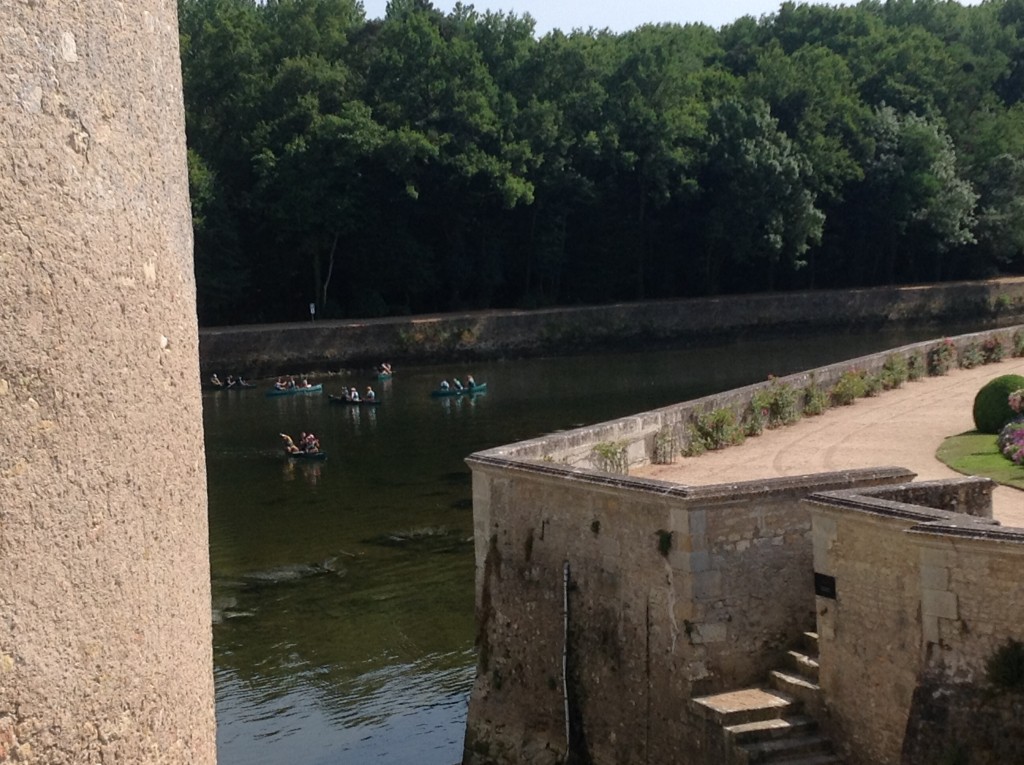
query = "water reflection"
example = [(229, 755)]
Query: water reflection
[(308, 471)]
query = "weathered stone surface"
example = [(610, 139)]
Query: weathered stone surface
[(104, 578)]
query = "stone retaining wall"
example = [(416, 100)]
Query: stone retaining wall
[(924, 598), (327, 346), (672, 592)]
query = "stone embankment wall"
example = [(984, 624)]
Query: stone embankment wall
[(672, 592), (326, 346), (105, 636), (925, 600), (675, 591)]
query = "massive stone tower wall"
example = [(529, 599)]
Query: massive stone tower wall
[(105, 641)]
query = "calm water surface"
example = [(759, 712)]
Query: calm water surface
[(343, 590)]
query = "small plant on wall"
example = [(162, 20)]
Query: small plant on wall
[(895, 371), (666, 446), (611, 457), (941, 358), (916, 368), (971, 356), (1018, 343), (780, 401), (664, 542), (1005, 668), (992, 350), (850, 386), (714, 430), (815, 398)]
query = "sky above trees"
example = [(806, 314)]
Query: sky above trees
[(616, 15)]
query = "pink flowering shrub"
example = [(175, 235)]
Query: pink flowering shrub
[(1011, 442), (1016, 400)]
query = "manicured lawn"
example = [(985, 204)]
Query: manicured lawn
[(975, 453)]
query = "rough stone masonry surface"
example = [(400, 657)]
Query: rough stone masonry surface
[(902, 427)]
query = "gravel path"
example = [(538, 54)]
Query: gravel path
[(902, 427)]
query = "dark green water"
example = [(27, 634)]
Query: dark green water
[(369, 658)]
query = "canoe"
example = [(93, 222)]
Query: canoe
[(441, 392), (295, 391), (362, 402), (306, 455)]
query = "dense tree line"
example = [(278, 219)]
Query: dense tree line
[(436, 162)]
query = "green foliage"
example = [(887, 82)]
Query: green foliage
[(755, 419), (1018, 343), (714, 430), (440, 161), (850, 386), (916, 366), (664, 542), (978, 454), (816, 398), (895, 371), (779, 400), (1005, 668), (991, 408), (612, 457), (971, 355), (941, 358), (992, 350), (873, 385), (666, 446)]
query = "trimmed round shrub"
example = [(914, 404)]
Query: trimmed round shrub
[(991, 408)]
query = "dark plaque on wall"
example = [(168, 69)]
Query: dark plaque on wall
[(824, 586)]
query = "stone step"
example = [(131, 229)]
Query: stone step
[(766, 730), (809, 642), (743, 706), (795, 686), (802, 664), (817, 759), (785, 750)]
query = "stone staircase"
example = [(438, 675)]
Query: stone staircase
[(771, 725)]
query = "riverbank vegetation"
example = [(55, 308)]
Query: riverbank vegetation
[(432, 162)]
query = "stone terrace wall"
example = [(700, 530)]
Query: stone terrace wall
[(637, 435), (667, 595), (924, 597), (325, 346)]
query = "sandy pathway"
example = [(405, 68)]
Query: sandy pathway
[(901, 427)]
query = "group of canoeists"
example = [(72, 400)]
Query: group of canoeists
[(351, 395), (289, 383), (456, 384), (308, 444), (230, 382)]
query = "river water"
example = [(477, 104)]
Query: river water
[(343, 589)]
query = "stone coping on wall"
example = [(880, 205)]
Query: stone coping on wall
[(926, 521), (727, 492)]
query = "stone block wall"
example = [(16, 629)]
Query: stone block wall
[(673, 592), (326, 346), (924, 597)]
